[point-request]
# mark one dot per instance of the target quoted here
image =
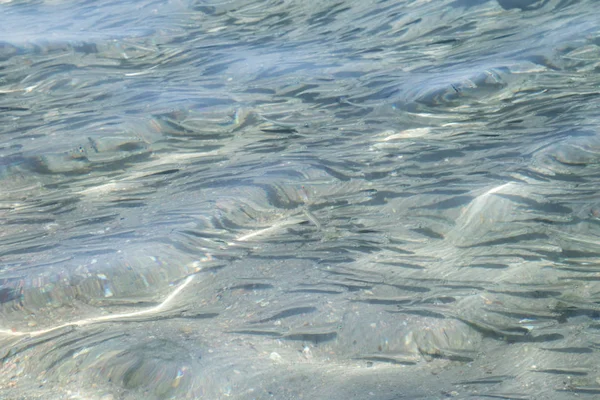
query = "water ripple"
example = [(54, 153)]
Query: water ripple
[(209, 199)]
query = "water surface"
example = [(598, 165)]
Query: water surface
[(291, 199)]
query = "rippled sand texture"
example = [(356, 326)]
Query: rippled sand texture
[(299, 199)]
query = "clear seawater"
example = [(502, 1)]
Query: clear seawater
[(287, 199)]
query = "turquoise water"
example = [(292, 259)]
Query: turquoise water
[(287, 199)]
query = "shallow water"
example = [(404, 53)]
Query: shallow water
[(287, 199)]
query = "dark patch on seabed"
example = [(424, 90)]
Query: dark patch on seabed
[(284, 199)]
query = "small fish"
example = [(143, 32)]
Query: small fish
[(312, 218)]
